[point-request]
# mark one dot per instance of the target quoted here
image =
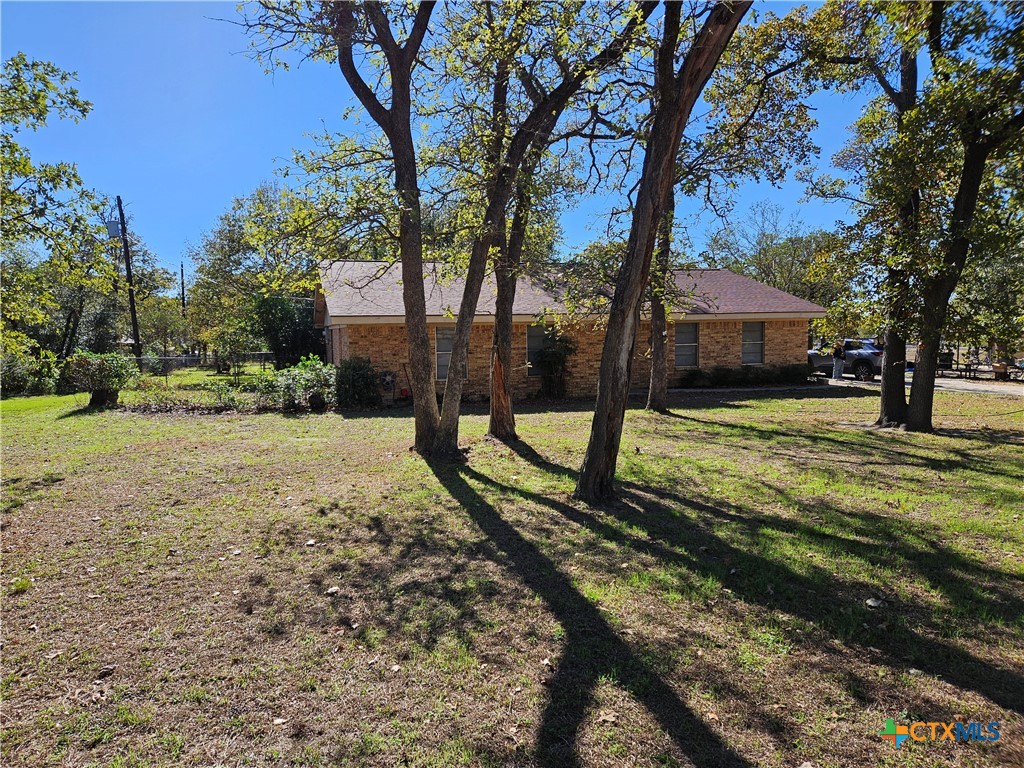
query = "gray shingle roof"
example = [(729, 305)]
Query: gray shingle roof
[(365, 289), (721, 292), (374, 289)]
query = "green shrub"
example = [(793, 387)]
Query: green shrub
[(16, 374), (745, 376), (48, 370), (266, 391), (226, 397), (553, 360), (23, 374), (358, 384), (103, 376), (152, 365), (311, 384)]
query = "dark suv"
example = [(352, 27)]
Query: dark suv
[(863, 359)]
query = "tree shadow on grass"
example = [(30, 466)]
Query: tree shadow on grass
[(86, 410), (592, 647), (729, 398), (871, 447), (677, 530)]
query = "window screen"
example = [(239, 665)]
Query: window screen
[(444, 338), (753, 344), (687, 344), (536, 341)]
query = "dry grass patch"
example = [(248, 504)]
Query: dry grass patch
[(270, 590)]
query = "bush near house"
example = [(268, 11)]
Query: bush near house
[(358, 384), (762, 375), (308, 385)]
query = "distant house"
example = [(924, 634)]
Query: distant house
[(730, 320)]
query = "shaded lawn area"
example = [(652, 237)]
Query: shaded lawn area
[(269, 590)]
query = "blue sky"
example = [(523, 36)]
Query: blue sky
[(184, 121)]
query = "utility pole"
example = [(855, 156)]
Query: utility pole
[(136, 341), (183, 289)]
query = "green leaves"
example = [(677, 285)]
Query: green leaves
[(90, 372), (43, 202)]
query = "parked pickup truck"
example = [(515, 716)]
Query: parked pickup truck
[(863, 359)]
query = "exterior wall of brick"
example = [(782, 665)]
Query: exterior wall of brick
[(719, 344), (785, 342), (386, 346)]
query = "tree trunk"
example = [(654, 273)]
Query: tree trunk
[(922, 390), (132, 313), (657, 392), (395, 121), (446, 441), (502, 423), (424, 399), (103, 398), (939, 287), (67, 344), (503, 420), (532, 134), (893, 407), (677, 93)]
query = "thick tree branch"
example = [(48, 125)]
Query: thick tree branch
[(419, 29), (343, 27)]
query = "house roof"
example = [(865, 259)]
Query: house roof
[(366, 291), (374, 289), (722, 292)]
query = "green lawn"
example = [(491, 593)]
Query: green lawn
[(276, 590)]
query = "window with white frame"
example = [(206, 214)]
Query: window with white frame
[(537, 340), (444, 341), (753, 344), (687, 344)]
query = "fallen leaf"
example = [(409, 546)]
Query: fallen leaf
[(874, 602), (333, 590), (311, 543), (280, 720), (607, 717)]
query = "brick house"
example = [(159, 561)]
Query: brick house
[(730, 321)]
